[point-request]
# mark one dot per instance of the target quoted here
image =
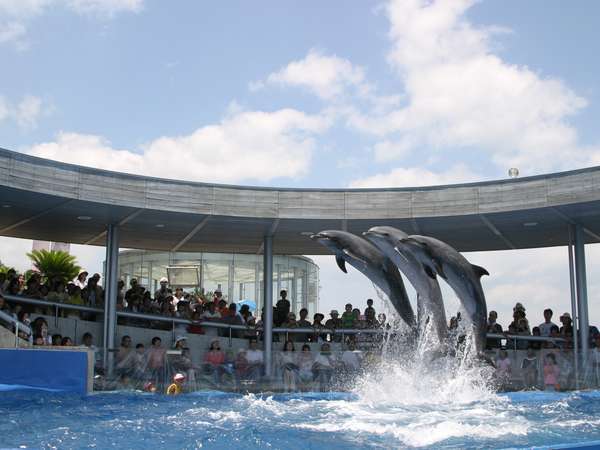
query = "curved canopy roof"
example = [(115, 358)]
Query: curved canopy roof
[(49, 200)]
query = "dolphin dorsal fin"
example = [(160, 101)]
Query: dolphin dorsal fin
[(479, 271), (341, 263)]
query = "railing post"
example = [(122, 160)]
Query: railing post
[(110, 295), (582, 297), (230, 338), (16, 334), (574, 309)]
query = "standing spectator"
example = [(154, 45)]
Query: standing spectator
[(218, 297), (178, 297), (493, 327), (551, 373), (292, 323), (80, 281), (255, 359), (529, 366), (282, 309), (536, 345), (92, 294), (547, 324), (334, 323), (163, 293), (133, 283), (156, 360), (369, 308), (503, 368), (348, 320)]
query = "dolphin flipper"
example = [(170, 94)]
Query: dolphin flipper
[(341, 263)]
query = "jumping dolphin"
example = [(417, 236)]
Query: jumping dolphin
[(387, 239), (463, 277), (367, 259)]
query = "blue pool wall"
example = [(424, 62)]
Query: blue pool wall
[(67, 371)]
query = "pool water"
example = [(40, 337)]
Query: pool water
[(134, 420)]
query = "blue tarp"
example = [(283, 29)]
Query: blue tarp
[(44, 369)]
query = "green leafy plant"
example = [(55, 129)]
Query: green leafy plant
[(55, 265)]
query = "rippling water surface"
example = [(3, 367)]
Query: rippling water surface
[(31, 419)]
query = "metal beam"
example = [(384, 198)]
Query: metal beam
[(191, 234), (572, 222), (496, 231), (122, 222), (34, 217)]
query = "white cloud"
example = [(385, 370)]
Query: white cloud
[(326, 76), (15, 14), (417, 176), (26, 113), (250, 145), (459, 94), (12, 32)]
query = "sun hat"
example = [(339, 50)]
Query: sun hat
[(179, 377), (334, 311), (164, 280), (180, 338)]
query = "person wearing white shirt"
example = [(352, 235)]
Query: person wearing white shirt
[(546, 326), (255, 359), (80, 281)]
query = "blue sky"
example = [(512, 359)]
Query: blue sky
[(307, 94)]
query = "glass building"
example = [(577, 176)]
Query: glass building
[(239, 276)]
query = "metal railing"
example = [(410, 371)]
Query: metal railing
[(220, 325), (19, 326)]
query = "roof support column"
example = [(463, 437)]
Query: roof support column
[(582, 300), (268, 303), (573, 308), (110, 295)]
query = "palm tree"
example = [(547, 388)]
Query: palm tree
[(55, 265)]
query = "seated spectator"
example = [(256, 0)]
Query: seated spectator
[(351, 359), (503, 368), (214, 360), (536, 345), (282, 309), (547, 324), (23, 317), (211, 313), (348, 318), (139, 362), (56, 340), (566, 331), (183, 363), (529, 367), (33, 287), (382, 319), (39, 327), (217, 297), (15, 286), (222, 308), (370, 320), (554, 333), (255, 359), (288, 366), (317, 326), (324, 366), (369, 308), (74, 299), (291, 323), (178, 297), (66, 342), (58, 293), (305, 364), (551, 373), (334, 323), (38, 340), (493, 327)]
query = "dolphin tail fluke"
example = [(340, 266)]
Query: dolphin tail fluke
[(341, 263), (479, 271)]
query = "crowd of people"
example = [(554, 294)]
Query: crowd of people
[(295, 366)]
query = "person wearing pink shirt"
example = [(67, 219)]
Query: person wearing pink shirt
[(551, 373)]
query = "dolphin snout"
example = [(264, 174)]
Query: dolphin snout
[(318, 236)]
